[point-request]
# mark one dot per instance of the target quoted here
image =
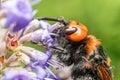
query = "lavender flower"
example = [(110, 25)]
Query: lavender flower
[(37, 57), (40, 72), (48, 52), (18, 74), (18, 14), (39, 62), (44, 35)]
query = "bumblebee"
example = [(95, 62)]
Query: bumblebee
[(83, 51)]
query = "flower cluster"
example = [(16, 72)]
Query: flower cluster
[(18, 26)]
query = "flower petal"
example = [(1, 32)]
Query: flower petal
[(19, 13)]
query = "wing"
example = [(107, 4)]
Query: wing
[(97, 56), (103, 73), (103, 67)]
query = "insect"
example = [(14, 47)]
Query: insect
[(83, 51)]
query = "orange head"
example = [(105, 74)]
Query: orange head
[(78, 31)]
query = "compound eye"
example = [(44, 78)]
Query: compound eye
[(70, 30), (76, 32)]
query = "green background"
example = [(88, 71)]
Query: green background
[(100, 16)]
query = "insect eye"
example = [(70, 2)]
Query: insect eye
[(70, 30), (76, 32)]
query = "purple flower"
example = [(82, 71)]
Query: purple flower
[(40, 72), (43, 35), (49, 27), (18, 74), (48, 52), (53, 27), (18, 14), (37, 57)]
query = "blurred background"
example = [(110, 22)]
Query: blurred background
[(100, 16)]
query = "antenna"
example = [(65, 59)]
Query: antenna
[(61, 20)]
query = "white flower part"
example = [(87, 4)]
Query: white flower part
[(10, 73), (26, 50), (2, 22), (2, 41), (2, 34), (11, 59), (38, 55), (35, 54), (34, 2), (24, 58), (2, 13), (31, 51), (1, 77), (26, 38), (10, 70), (2, 17), (34, 24), (34, 12), (36, 36), (54, 26), (44, 25)]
